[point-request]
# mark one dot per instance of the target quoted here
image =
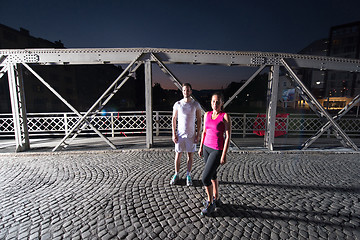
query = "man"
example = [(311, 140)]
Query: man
[(184, 134)]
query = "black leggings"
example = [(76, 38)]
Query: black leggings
[(212, 161)]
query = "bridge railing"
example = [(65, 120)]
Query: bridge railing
[(128, 123)]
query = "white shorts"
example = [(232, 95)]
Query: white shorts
[(185, 145)]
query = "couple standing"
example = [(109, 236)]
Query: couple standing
[(213, 144)]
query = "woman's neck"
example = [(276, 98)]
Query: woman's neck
[(216, 112)]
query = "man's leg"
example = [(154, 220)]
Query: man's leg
[(175, 177), (189, 167), (177, 161), (190, 161)]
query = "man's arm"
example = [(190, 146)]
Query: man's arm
[(198, 125), (173, 126)]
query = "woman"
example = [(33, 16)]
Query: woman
[(214, 147)]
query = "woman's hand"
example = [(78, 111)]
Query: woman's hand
[(200, 152), (223, 160)]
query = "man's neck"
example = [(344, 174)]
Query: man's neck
[(187, 99)]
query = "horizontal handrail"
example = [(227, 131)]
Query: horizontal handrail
[(133, 122)]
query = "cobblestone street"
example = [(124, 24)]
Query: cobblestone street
[(126, 195)]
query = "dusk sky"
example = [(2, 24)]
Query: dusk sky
[(269, 26)]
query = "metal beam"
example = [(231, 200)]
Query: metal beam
[(184, 56)]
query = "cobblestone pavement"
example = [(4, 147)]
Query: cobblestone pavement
[(126, 195)]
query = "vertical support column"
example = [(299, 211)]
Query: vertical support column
[(157, 119), (273, 87), (112, 125), (148, 104), (244, 125), (18, 106)]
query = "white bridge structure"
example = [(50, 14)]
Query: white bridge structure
[(12, 61)]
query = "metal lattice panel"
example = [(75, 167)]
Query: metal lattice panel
[(165, 121), (304, 124), (39, 124), (295, 125), (6, 125), (134, 122)]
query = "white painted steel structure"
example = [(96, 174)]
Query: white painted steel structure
[(12, 59)]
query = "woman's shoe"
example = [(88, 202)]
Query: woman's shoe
[(209, 208)]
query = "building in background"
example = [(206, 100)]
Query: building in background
[(344, 41), (334, 89), (80, 85)]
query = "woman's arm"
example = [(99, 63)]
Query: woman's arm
[(202, 137), (227, 122)]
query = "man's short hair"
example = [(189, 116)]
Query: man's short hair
[(187, 85)]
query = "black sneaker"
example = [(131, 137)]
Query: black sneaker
[(209, 208), (217, 202)]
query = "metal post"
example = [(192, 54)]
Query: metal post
[(157, 123), (148, 104), (244, 125), (18, 107), (271, 108), (112, 125), (66, 123)]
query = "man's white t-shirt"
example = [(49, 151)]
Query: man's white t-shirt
[(186, 115)]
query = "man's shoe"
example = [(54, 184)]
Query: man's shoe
[(174, 179), (209, 208), (188, 180)]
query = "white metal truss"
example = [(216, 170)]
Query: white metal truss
[(10, 58)]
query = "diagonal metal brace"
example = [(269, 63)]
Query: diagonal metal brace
[(67, 104), (3, 71), (82, 119), (343, 135), (116, 89), (244, 85), (341, 113)]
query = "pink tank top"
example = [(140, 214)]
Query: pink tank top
[(215, 129)]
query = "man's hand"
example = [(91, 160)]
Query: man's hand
[(175, 138), (196, 138)]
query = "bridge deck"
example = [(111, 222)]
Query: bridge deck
[(164, 142), (126, 195)]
